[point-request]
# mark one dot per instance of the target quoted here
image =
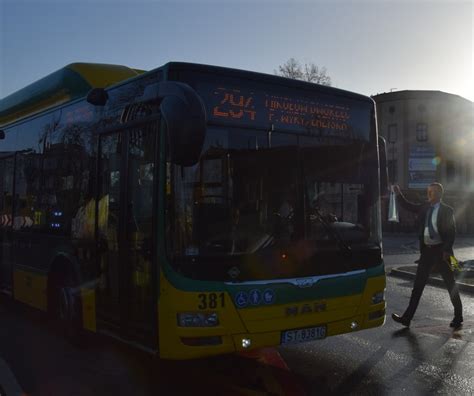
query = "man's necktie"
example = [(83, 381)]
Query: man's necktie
[(430, 222)]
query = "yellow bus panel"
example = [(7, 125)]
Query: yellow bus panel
[(262, 326), (30, 288), (88, 309)]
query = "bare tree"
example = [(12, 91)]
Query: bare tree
[(315, 74), (308, 72), (290, 69)]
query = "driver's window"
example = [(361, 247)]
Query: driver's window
[(328, 200), (212, 181)]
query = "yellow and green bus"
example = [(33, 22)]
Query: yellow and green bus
[(192, 210)]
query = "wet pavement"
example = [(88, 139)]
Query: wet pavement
[(427, 358), (37, 358)]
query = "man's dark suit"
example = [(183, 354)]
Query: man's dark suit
[(433, 255), (445, 222)]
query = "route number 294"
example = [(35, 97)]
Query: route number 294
[(211, 300)]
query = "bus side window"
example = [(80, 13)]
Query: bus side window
[(25, 191)]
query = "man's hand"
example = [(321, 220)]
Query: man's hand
[(396, 189), (446, 257)]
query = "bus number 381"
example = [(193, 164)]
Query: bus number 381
[(211, 300)]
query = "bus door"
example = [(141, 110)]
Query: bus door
[(7, 165), (127, 292)]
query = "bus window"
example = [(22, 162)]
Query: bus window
[(139, 226), (245, 203), (109, 214)]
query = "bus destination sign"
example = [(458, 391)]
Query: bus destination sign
[(322, 115)]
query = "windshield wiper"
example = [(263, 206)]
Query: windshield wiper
[(343, 246)]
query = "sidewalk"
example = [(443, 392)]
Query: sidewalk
[(408, 244), (401, 250), (464, 279)]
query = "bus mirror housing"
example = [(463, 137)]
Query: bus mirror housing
[(97, 97), (185, 116), (2, 134), (383, 165)]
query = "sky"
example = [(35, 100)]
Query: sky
[(367, 47)]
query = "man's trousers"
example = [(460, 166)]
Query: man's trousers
[(431, 257)]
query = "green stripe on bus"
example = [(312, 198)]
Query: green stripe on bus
[(344, 285), (286, 293)]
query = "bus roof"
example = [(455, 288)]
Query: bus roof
[(64, 85), (264, 77), (75, 80)]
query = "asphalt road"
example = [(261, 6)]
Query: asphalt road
[(428, 358), (37, 360)]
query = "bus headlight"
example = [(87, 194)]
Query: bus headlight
[(378, 297), (198, 319), (246, 343)]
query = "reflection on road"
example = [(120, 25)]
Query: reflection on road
[(45, 363)]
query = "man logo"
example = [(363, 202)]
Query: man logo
[(234, 272), (305, 282), (305, 309)]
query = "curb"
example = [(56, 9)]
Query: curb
[(399, 272)]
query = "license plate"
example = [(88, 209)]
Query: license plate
[(303, 335)]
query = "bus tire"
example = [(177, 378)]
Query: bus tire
[(64, 300)]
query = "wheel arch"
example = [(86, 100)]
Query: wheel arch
[(63, 270), (65, 263)]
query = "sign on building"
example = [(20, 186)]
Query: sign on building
[(421, 166)]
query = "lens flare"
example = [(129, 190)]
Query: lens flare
[(461, 142), (436, 161)]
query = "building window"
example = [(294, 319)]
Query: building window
[(421, 132), (392, 133)]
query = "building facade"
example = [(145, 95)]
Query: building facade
[(430, 137)]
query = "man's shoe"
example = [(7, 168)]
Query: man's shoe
[(456, 323), (401, 320)]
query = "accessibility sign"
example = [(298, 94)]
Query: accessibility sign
[(241, 299)]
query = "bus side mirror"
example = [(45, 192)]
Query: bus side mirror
[(2, 134), (185, 116), (383, 165)]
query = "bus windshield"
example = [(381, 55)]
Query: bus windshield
[(258, 200)]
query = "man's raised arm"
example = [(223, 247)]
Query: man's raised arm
[(405, 203)]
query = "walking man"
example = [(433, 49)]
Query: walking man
[(437, 232)]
